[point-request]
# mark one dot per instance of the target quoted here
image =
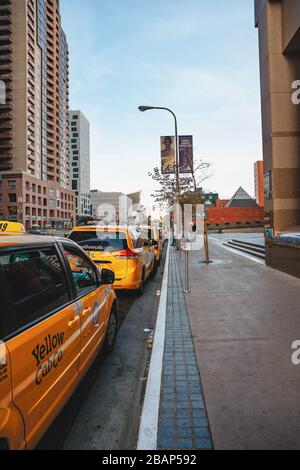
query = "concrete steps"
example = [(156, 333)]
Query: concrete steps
[(252, 249)]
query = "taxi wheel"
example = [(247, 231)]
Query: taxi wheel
[(111, 331), (155, 267), (140, 290)]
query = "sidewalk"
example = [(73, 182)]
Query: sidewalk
[(182, 421), (244, 318)]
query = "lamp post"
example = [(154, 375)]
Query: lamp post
[(149, 108)]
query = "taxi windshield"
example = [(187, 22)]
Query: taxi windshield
[(100, 240)]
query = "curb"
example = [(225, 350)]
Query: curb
[(148, 431)]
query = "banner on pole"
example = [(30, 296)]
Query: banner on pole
[(168, 161), (186, 154)]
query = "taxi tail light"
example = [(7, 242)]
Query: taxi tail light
[(125, 254)]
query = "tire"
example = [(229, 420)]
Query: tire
[(112, 330), (139, 292), (155, 267)]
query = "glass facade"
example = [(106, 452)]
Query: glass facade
[(80, 162)]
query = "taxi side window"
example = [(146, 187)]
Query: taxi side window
[(84, 273), (36, 281)]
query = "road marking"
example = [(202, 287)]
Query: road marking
[(148, 431), (239, 253)]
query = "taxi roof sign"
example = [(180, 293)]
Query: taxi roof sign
[(11, 227)]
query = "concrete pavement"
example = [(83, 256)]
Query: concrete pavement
[(244, 318)]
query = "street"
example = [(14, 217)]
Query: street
[(104, 412)]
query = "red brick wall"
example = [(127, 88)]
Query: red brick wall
[(235, 214)]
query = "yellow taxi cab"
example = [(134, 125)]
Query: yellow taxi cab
[(127, 251), (11, 228), (58, 310), (157, 239)]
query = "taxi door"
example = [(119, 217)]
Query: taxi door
[(92, 301), (44, 345), (11, 422)]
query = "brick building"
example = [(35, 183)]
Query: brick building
[(240, 211)]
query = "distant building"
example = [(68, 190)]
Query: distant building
[(241, 199), (241, 211), (107, 205), (210, 198), (259, 182), (80, 162)]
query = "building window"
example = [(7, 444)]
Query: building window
[(75, 134), (73, 141), (268, 186), (12, 197), (12, 185), (74, 185), (75, 118)]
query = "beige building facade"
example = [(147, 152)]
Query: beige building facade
[(34, 121), (278, 22)]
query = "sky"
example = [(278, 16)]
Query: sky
[(197, 57)]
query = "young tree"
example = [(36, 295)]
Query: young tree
[(190, 187)]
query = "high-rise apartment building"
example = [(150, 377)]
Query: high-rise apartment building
[(80, 162), (259, 182), (34, 125)]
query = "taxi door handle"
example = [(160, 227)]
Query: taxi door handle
[(73, 322), (86, 311)]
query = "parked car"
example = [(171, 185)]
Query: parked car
[(127, 251), (58, 310)]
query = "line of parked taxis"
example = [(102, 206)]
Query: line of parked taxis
[(58, 310)]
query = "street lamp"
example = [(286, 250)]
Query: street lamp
[(149, 108)]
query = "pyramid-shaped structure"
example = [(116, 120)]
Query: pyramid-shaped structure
[(242, 199)]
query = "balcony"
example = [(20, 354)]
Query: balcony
[(5, 28), (5, 57), (5, 164), (5, 9), (5, 48), (5, 135), (5, 40), (5, 146), (5, 126), (5, 68)]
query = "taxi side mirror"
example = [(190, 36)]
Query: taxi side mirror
[(107, 276)]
